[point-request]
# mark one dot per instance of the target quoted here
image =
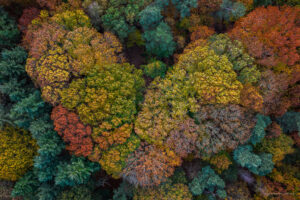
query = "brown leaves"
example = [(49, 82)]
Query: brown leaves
[(150, 165)]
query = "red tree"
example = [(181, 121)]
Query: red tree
[(272, 34), (76, 135), (28, 15)]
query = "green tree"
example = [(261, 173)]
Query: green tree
[(155, 68), (231, 11), (9, 33), (159, 41), (77, 172), (207, 179), (150, 17), (184, 6), (118, 16), (123, 192), (290, 122), (258, 133), (26, 186), (258, 164)]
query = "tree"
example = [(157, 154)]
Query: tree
[(207, 6), (75, 134), (113, 161), (290, 122), (258, 132), (238, 191), (279, 92), (258, 164), (107, 95), (155, 121), (80, 192), (250, 98), (273, 130), (72, 19), (243, 64), (150, 165), (279, 147), (123, 191), (150, 17), (168, 101), (88, 48), (226, 127), (266, 186), (77, 172), (184, 6), (155, 68), (50, 145), (26, 186), (9, 33), (231, 11), (27, 16), (13, 79), (213, 78), (207, 179), (201, 32), (58, 56), (166, 191), (51, 72), (220, 161), (18, 149), (183, 138), (286, 176), (117, 16), (159, 41), (249, 4), (270, 42)]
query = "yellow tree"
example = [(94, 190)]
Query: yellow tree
[(17, 149)]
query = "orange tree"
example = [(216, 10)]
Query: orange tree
[(270, 34), (75, 134)]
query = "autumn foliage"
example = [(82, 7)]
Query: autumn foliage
[(28, 15), (270, 34), (17, 149), (201, 32), (75, 134), (62, 47), (150, 99), (150, 165)]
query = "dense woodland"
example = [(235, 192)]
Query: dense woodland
[(150, 99)]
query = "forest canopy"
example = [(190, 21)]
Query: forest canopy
[(149, 99)]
